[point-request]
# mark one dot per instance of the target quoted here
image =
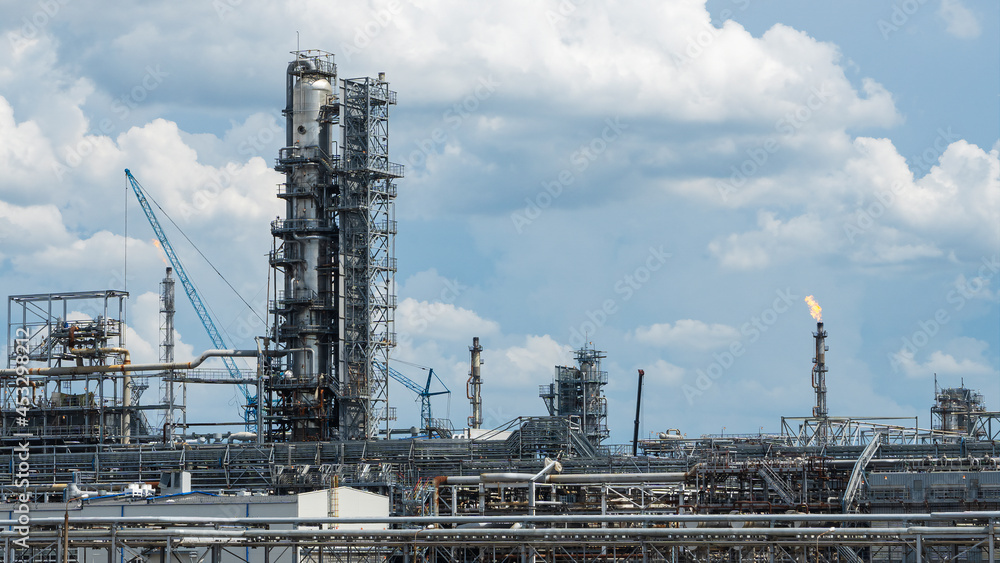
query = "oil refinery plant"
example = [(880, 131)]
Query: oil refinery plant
[(107, 463)]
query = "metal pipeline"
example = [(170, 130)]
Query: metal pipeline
[(573, 478), (554, 518), (189, 536), (550, 465), (127, 368)]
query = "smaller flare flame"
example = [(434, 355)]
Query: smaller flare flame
[(163, 255), (814, 309)]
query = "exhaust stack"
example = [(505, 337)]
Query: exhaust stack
[(819, 372), (474, 385)]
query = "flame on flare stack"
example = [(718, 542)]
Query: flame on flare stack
[(163, 255), (814, 309)]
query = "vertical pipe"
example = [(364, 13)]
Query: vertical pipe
[(993, 539), (638, 407)]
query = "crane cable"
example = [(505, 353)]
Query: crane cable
[(216, 270)]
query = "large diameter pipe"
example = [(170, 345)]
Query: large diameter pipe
[(127, 368), (575, 478)]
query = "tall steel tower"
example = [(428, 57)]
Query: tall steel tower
[(335, 249)]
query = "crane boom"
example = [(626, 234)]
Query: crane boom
[(424, 393), (250, 414)]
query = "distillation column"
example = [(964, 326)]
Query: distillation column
[(335, 248), (302, 395)]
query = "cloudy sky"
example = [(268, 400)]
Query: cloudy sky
[(667, 180)]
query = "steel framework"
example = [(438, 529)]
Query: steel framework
[(71, 329), (967, 536)]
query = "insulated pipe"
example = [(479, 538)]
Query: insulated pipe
[(550, 465), (587, 478), (574, 478), (128, 368)]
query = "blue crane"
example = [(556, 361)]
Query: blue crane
[(250, 410), (424, 393)]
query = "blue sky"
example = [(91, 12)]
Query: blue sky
[(666, 180)]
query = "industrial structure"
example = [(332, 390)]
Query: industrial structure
[(577, 394), (335, 250), (103, 471)]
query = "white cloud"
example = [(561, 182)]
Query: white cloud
[(437, 320), (665, 373), (941, 363), (775, 239), (961, 21), (878, 213), (963, 357), (687, 333)]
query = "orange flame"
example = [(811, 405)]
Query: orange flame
[(163, 255), (814, 309)]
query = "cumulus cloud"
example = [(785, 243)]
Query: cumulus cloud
[(961, 21), (441, 321), (879, 212), (687, 333), (940, 363), (962, 357)]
